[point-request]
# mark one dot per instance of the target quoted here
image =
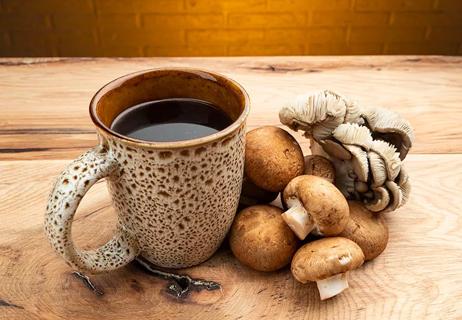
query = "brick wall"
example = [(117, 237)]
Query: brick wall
[(229, 27)]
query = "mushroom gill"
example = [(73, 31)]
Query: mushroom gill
[(365, 145), (390, 127), (318, 114)]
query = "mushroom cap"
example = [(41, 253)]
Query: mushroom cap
[(354, 134), (325, 258), (260, 239), (318, 114), (389, 156), (404, 185), (272, 158), (396, 196), (389, 126), (335, 149), (359, 162), (319, 166), (325, 204), (380, 200), (377, 166), (367, 230), (252, 194)]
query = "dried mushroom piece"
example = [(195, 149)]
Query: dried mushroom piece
[(389, 156), (396, 196), (353, 112), (380, 201), (378, 171), (359, 162), (366, 146), (404, 185), (325, 110), (335, 149), (389, 126), (361, 187), (347, 172), (345, 177), (318, 114), (352, 133)]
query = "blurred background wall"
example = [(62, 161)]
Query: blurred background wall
[(229, 27)]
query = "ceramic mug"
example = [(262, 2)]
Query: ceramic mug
[(175, 201)]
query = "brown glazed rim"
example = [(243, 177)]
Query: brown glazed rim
[(174, 144)]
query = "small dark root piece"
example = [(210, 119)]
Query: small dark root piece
[(180, 285), (87, 282)]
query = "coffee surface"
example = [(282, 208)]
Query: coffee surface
[(171, 120)]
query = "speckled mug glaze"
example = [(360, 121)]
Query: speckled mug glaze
[(175, 201)]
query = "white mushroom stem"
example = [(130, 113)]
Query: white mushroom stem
[(332, 286), (298, 219)]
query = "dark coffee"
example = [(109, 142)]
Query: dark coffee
[(171, 120)]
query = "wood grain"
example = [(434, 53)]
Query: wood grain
[(417, 277), (43, 102), (43, 119)]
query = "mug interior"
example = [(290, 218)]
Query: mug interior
[(157, 84)]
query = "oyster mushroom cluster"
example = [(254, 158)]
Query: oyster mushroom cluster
[(366, 145), (330, 218)]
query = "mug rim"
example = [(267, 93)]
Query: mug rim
[(169, 144)]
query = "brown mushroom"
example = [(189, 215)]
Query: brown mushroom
[(367, 230), (272, 158), (327, 262), (319, 166), (261, 240), (314, 203), (252, 195)]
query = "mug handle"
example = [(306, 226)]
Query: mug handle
[(63, 201)]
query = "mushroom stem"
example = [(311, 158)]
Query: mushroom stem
[(298, 219), (332, 286)]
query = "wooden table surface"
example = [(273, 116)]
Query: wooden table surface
[(44, 123)]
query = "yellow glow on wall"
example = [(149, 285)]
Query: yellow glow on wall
[(229, 27)]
